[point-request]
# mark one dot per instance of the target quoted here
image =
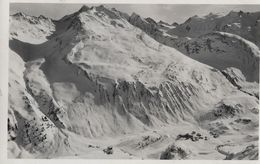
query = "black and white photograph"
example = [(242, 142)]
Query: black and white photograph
[(133, 81)]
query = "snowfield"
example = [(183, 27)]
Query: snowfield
[(95, 85)]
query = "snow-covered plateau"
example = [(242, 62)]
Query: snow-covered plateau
[(101, 84)]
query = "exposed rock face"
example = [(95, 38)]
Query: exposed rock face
[(148, 25), (100, 76)]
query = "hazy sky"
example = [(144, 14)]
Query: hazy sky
[(166, 12)]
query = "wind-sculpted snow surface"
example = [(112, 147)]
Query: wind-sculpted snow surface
[(100, 87)]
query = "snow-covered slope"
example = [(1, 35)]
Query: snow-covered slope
[(206, 42), (100, 81), (222, 50), (30, 29), (29, 130)]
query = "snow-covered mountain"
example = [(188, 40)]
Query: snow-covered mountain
[(241, 23), (212, 40), (93, 80), (30, 29)]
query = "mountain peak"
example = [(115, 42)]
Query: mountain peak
[(19, 14), (212, 16), (110, 13), (135, 15), (232, 13), (42, 17), (101, 7), (165, 23), (84, 8), (150, 20), (175, 24)]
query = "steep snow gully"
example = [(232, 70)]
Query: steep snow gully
[(94, 84)]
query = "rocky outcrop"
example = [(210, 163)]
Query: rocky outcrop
[(174, 152)]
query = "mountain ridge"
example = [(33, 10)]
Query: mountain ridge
[(99, 77)]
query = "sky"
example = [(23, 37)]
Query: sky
[(166, 12)]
